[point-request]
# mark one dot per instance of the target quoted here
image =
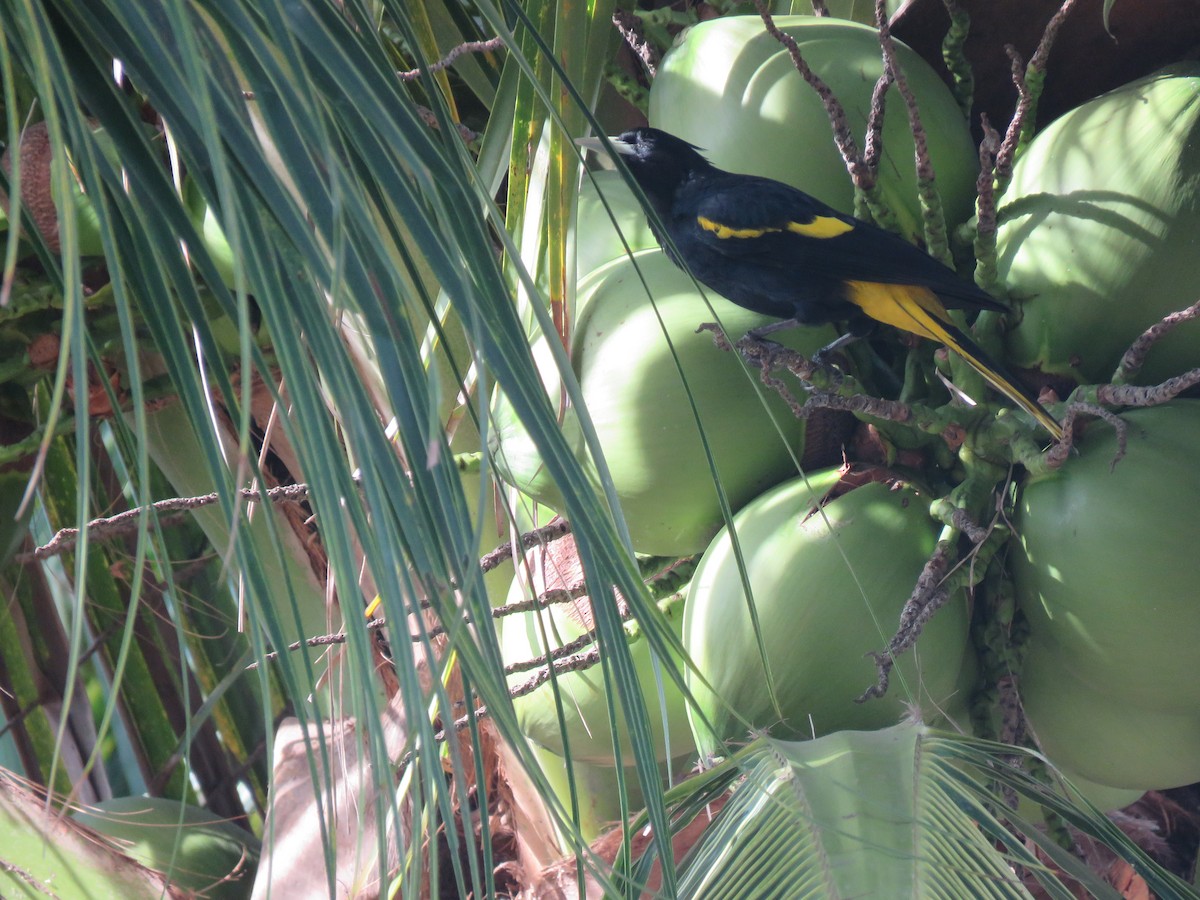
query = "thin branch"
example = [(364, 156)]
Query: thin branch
[(630, 27), (567, 662), (1135, 356), (842, 135), (570, 657), (574, 663), (543, 600), (888, 45), (562, 660), (544, 535), (956, 59), (986, 273), (496, 43), (65, 539), (321, 640), (1026, 103), (826, 389), (1041, 56), (1060, 452), (429, 117), (961, 520), (873, 144), (1090, 400), (930, 594), (1154, 395), (549, 598), (556, 655), (933, 219), (568, 649), (1028, 81), (946, 574)]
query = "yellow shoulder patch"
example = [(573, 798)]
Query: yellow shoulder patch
[(820, 227), (725, 231)]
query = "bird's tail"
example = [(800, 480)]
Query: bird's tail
[(917, 310), (999, 378)]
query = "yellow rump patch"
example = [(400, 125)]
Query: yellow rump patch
[(910, 308), (819, 227), (918, 311)]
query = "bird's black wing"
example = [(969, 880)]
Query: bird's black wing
[(751, 220)]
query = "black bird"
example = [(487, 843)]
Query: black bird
[(775, 250)]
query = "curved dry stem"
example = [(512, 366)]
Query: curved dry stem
[(892, 65), (954, 57), (1060, 452), (873, 144), (553, 530), (986, 273), (1153, 395), (1028, 80), (1135, 356), (127, 522), (864, 178), (826, 387), (489, 46), (930, 594)]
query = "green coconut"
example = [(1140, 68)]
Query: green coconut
[(496, 511), (642, 413), (595, 788), (732, 89), (1098, 231), (829, 583), (583, 696), (1101, 796), (1106, 578), (1107, 570), (608, 212), (1102, 737)]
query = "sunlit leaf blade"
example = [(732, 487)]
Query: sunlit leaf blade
[(305, 257), (254, 97), (903, 811), (40, 849), (867, 814)]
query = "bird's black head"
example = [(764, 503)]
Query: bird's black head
[(659, 161)]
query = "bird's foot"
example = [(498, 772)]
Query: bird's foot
[(759, 352), (831, 362), (760, 333)]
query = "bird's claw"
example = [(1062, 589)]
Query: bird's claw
[(830, 363), (758, 351)]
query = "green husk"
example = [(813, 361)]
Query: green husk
[(1098, 231)]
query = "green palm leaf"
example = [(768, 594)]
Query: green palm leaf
[(304, 264)]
